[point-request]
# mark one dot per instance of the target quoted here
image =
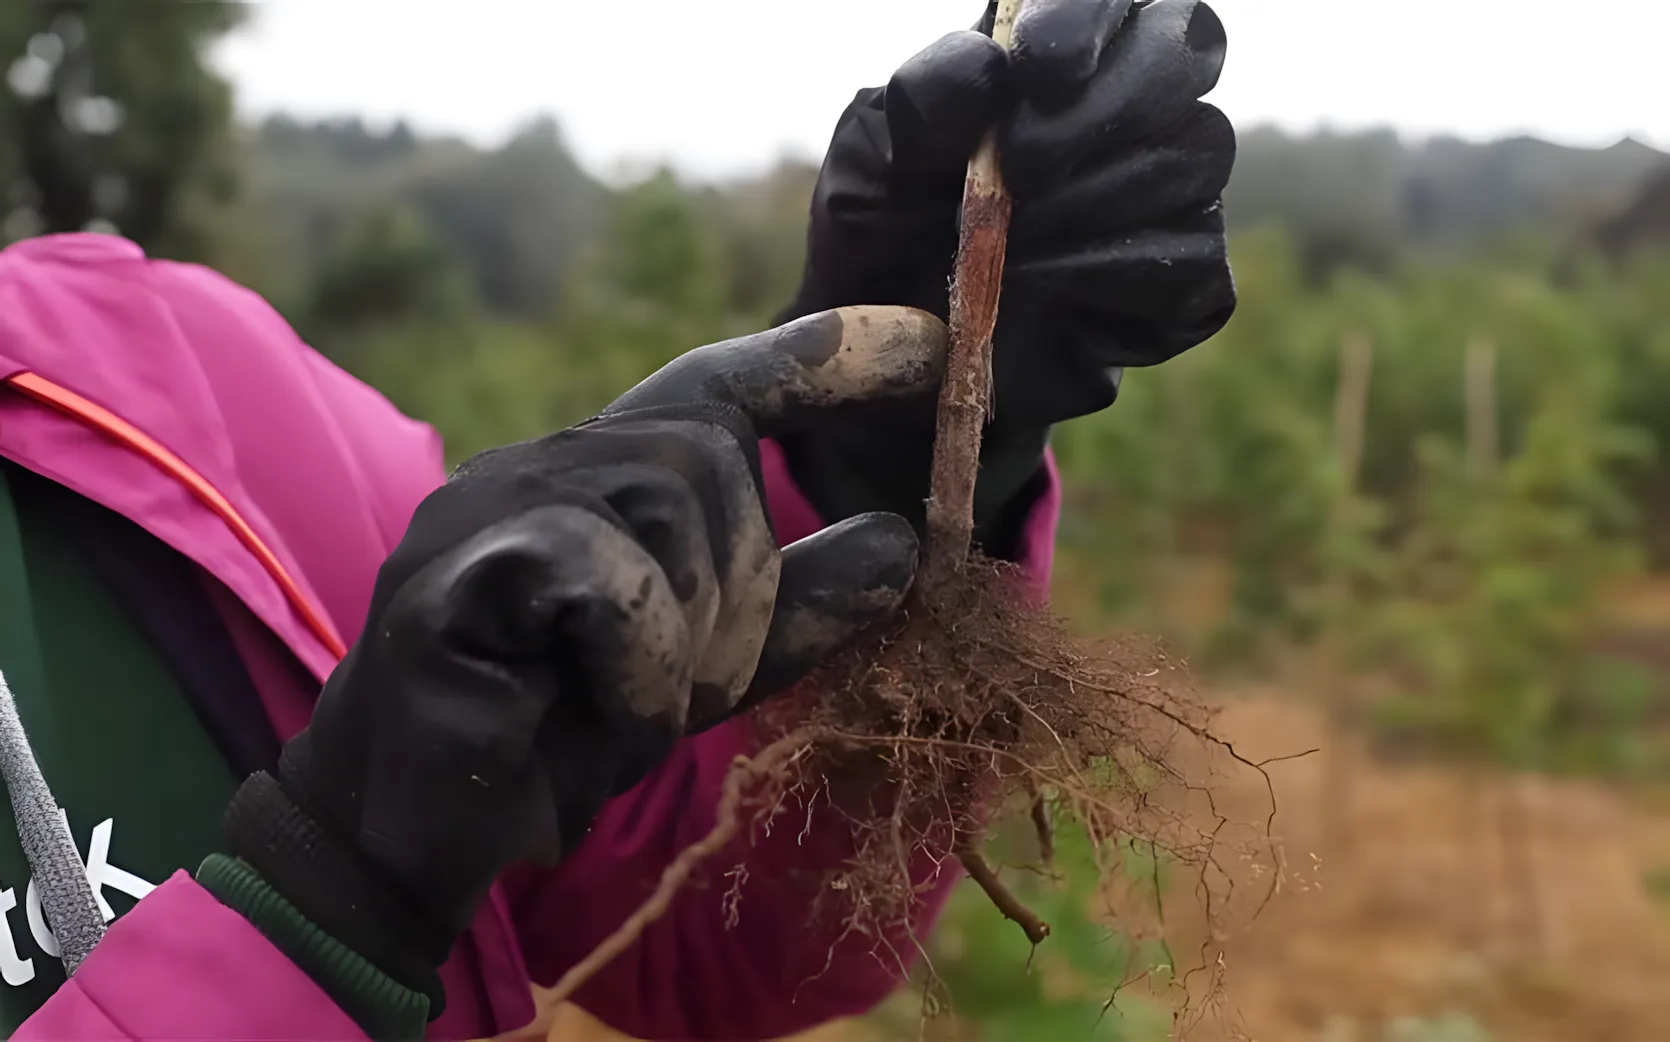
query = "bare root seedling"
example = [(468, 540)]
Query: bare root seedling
[(976, 703)]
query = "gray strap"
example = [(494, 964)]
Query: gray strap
[(60, 876)]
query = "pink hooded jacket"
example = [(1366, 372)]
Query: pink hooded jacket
[(324, 474)]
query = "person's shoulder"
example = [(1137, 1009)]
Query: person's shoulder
[(245, 400), (110, 282), (253, 356), (71, 251)]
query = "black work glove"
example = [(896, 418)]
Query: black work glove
[(1116, 254), (558, 616)]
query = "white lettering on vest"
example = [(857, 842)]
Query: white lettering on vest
[(100, 874), (14, 970)]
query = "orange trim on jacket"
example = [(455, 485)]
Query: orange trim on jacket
[(103, 420)]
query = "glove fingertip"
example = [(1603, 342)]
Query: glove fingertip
[(877, 552), (1208, 38), (835, 585), (850, 575), (1058, 45), (941, 102), (956, 61)]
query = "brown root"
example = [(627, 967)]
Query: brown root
[(970, 709), (976, 704), (1002, 898), (1043, 826), (728, 823)]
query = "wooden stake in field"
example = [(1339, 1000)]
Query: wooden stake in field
[(1350, 434), (1483, 416), (1516, 796)]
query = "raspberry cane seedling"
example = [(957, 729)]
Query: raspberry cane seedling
[(977, 702), (965, 408)]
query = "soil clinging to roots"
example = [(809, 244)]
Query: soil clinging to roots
[(976, 707)]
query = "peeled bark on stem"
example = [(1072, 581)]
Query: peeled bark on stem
[(965, 402), (965, 399)]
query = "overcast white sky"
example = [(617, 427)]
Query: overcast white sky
[(727, 86)]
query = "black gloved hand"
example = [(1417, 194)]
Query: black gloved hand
[(1116, 255), (558, 616)]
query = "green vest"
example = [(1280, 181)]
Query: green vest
[(126, 757)]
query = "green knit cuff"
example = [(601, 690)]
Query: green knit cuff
[(384, 1009)]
